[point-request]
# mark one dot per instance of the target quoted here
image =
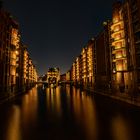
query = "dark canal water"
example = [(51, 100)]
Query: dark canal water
[(67, 113)]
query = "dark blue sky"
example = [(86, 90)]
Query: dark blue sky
[(56, 30)]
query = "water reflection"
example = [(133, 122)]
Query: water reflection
[(85, 113), (53, 100), (121, 129), (23, 115), (66, 100), (67, 113), (29, 107), (13, 127)]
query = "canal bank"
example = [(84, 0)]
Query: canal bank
[(9, 96), (124, 97)]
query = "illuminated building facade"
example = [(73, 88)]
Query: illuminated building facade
[(73, 72), (53, 76), (68, 76), (12, 61), (125, 46), (86, 66), (113, 62), (77, 70), (29, 73), (90, 63), (25, 67), (120, 72), (9, 50), (82, 68), (14, 58)]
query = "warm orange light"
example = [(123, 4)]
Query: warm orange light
[(15, 37), (115, 19), (16, 52), (13, 55)]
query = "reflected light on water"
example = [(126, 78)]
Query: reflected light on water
[(85, 113), (121, 129), (13, 130), (29, 106), (66, 113), (53, 100)]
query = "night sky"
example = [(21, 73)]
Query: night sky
[(56, 30)]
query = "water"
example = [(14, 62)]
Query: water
[(67, 113)]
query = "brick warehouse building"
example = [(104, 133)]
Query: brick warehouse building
[(15, 65)]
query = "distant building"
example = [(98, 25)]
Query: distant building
[(82, 68), (68, 76), (63, 77), (75, 71), (86, 64), (53, 76)]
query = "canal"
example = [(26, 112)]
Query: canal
[(67, 113)]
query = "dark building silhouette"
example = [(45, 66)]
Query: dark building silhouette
[(102, 58)]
